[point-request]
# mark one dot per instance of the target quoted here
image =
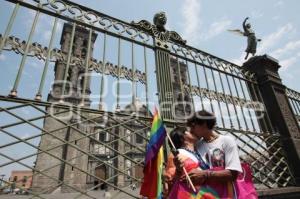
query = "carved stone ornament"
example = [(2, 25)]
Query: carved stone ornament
[(158, 30)]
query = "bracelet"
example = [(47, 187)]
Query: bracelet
[(210, 174), (206, 177)]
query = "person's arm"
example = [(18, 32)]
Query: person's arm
[(244, 26), (231, 170), (168, 175), (203, 176)]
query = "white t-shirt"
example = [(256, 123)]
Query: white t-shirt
[(188, 154), (222, 152)]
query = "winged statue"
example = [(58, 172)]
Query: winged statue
[(251, 38)]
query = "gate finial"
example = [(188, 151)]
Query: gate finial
[(158, 30), (160, 20)]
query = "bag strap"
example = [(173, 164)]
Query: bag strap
[(203, 164)]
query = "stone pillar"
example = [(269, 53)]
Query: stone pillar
[(277, 106)]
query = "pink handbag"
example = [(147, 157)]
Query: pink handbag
[(244, 186)]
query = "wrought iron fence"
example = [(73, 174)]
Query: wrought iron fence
[(294, 99), (91, 130)]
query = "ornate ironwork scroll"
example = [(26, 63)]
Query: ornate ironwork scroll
[(37, 50)]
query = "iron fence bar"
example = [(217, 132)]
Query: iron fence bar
[(242, 109), (44, 191), (161, 94), (257, 178), (181, 85), (25, 165), (13, 92), (102, 75), (65, 106), (215, 86), (27, 138), (296, 108), (222, 86), (90, 120), (81, 22), (254, 95), (190, 82), (118, 192), (254, 158), (198, 82), (254, 166), (15, 107), (60, 139), (67, 163), (35, 136), (86, 72), (234, 106), (166, 60), (269, 159), (207, 86), (243, 92), (119, 123), (146, 78), (264, 148), (210, 67), (120, 138), (68, 63), (165, 79), (118, 80), (116, 175), (9, 26), (268, 121), (42, 81), (31, 155), (21, 188), (133, 74)]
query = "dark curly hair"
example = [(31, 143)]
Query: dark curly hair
[(202, 117), (177, 136)]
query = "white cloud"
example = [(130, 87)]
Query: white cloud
[(2, 57), (279, 3), (256, 14), (191, 19), (288, 48), (272, 39), (276, 17), (216, 28), (192, 24), (288, 62)]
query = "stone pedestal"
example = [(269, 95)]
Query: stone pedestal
[(278, 108)]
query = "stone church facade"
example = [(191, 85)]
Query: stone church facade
[(58, 169)]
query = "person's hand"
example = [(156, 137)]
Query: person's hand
[(179, 163), (198, 176), (165, 190)]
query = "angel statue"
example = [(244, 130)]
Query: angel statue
[(251, 38)]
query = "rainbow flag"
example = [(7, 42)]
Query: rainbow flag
[(152, 185)]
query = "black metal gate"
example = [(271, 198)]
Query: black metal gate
[(91, 130)]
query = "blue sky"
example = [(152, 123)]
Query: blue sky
[(203, 23)]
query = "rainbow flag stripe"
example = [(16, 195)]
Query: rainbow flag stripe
[(152, 185)]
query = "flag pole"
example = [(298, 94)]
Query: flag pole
[(184, 170)]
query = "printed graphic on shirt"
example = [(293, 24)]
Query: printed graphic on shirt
[(216, 158)]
